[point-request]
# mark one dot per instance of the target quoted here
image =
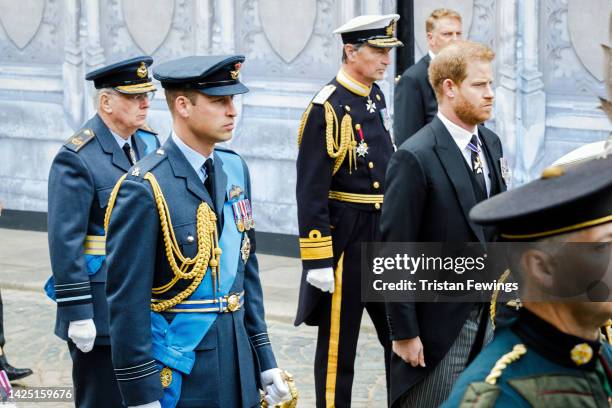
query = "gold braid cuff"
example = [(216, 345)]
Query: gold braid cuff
[(208, 246), (517, 352)]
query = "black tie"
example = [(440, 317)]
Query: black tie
[(477, 165), (209, 183), (129, 153)]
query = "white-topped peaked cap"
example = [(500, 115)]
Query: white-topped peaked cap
[(374, 29)]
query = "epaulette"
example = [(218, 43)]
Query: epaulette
[(147, 164), (484, 394), (146, 128), (79, 139), (324, 94)]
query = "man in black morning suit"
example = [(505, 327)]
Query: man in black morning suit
[(433, 181), (415, 99)]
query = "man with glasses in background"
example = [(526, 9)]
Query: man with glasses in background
[(82, 176)]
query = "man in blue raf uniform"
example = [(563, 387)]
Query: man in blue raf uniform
[(552, 354), (80, 182), (344, 147), (186, 305)]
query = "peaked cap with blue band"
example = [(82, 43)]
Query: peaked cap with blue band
[(215, 75), (129, 76)]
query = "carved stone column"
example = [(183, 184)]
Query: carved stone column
[(202, 22), (223, 39), (506, 91), (72, 70), (94, 53), (532, 119)]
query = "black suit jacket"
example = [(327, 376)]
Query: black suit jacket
[(429, 195), (415, 101)]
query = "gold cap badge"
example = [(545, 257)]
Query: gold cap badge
[(234, 74), (142, 70), (581, 354)]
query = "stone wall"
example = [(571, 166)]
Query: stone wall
[(548, 73)]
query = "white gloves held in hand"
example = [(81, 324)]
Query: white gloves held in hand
[(83, 334), (154, 404), (276, 388), (321, 278)]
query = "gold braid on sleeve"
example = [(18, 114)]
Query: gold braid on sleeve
[(339, 139), (194, 268)]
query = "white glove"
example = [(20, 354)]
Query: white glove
[(276, 389), (154, 404), (321, 278), (83, 334)]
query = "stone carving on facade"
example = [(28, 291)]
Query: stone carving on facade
[(21, 23), (587, 23), (154, 13), (564, 72), (288, 25)]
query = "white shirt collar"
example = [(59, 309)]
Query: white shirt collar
[(460, 135), (195, 159), (121, 141), (431, 54)]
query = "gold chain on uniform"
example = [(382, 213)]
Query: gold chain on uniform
[(208, 246), (338, 139)]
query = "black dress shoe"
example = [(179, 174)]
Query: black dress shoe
[(11, 372)]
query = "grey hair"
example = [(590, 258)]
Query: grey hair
[(356, 46), (97, 93)]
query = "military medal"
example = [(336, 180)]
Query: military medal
[(370, 105), (506, 173), (362, 148), (384, 115), (243, 215), (239, 216), (477, 163), (245, 250)]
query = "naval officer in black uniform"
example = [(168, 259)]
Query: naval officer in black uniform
[(82, 176), (344, 147)]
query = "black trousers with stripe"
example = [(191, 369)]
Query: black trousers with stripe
[(341, 315)]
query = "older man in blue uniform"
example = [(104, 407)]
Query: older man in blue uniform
[(344, 147), (186, 305), (553, 353), (80, 181)]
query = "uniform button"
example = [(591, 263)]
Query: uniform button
[(348, 108), (377, 206), (357, 126), (190, 239), (377, 97), (371, 165), (376, 184)]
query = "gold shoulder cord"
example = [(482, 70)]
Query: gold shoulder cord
[(517, 352), (208, 246), (338, 139), (493, 306)]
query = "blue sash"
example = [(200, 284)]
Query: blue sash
[(174, 344), (93, 263)]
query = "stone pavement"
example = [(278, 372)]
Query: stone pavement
[(29, 319)]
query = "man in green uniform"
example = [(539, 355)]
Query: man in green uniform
[(553, 353)]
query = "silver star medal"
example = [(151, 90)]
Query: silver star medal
[(362, 149), (478, 165), (371, 106)]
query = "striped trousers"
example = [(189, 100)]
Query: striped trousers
[(434, 389)]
